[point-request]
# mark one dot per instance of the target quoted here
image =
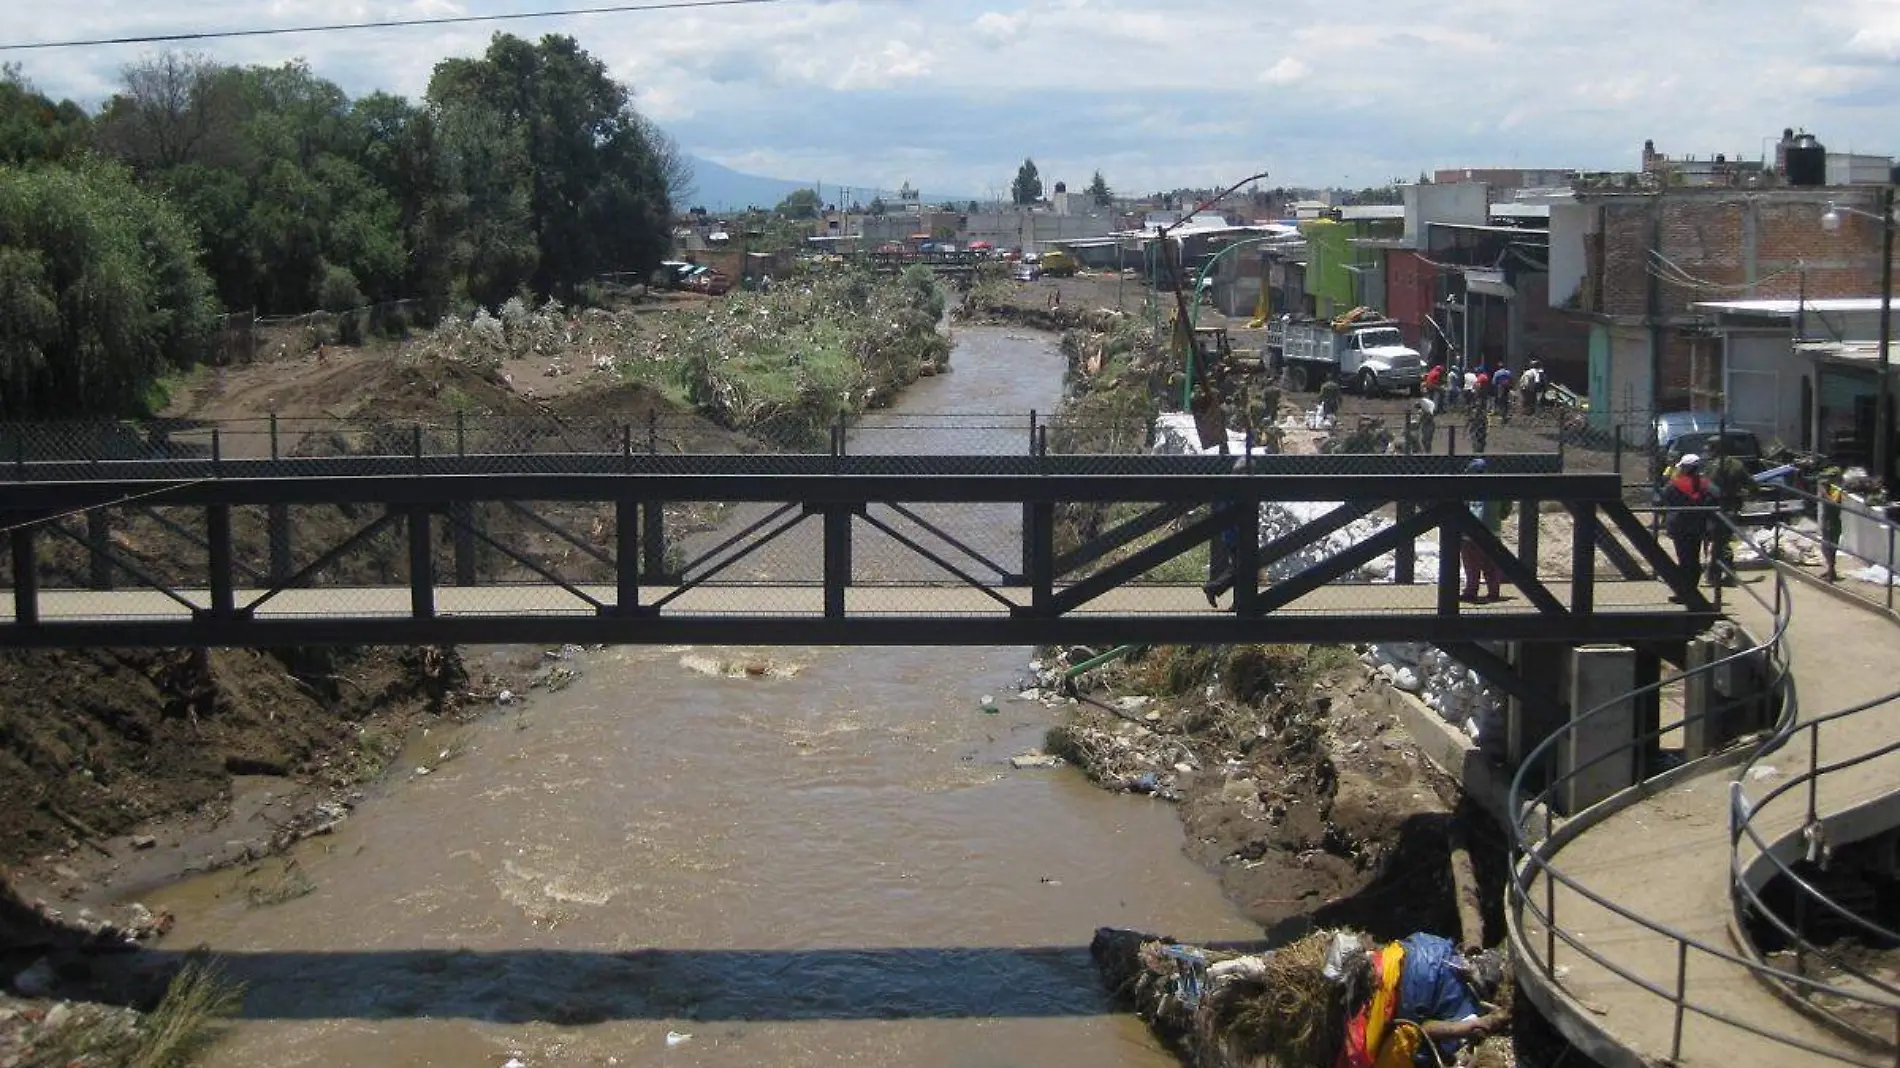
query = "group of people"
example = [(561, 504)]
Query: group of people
[(1479, 391), (1458, 386), (1696, 497)]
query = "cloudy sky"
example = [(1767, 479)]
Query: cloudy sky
[(952, 94)]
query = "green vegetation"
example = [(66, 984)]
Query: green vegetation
[(786, 365), (100, 291), (1027, 186), (187, 1019)]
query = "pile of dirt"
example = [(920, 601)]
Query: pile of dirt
[(1312, 806)]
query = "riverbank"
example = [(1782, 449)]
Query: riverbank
[(1294, 782)]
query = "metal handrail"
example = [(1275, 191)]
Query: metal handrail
[(1862, 511), (1742, 824), (1530, 859)]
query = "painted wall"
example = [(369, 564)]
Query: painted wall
[(1411, 286), (1334, 289)]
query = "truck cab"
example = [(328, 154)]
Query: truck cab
[(1377, 360)]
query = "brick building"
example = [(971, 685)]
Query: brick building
[(1631, 264)]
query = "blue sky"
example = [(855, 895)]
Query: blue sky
[(952, 94)]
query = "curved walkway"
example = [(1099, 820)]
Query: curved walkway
[(1667, 858)]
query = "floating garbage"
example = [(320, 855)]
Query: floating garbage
[(674, 1038), (989, 705)]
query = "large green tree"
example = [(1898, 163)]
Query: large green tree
[(597, 192), (101, 292), (34, 128), (804, 204), (1027, 188)]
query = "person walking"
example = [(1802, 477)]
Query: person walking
[(1478, 422), (1685, 496), (1427, 422), (1730, 484), (1476, 561), (1531, 384), (1433, 384), (1468, 386), (1501, 385), (1831, 493)]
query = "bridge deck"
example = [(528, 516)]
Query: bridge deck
[(887, 601)]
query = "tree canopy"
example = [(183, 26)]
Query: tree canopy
[(100, 290), (1027, 188), (1099, 192), (800, 204)]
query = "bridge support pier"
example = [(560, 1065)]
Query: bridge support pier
[(1529, 723), (1722, 705), (1595, 759)]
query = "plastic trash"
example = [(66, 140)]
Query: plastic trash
[(514, 1062), (674, 1038), (1339, 955), (989, 705)]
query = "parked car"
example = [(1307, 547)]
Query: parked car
[(1027, 272), (711, 283), (1706, 435)]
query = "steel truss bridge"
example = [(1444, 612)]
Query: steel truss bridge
[(815, 550)]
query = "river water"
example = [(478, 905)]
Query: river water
[(830, 863)]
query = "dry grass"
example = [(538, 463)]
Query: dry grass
[(1292, 1017), (186, 1021), (190, 1016)]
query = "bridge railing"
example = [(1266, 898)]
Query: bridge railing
[(1758, 858), (1539, 834)]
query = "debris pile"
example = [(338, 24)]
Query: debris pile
[(1293, 1006), (1458, 694)]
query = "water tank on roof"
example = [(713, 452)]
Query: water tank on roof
[(1807, 161)]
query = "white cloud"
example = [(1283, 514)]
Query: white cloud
[(999, 27), (1289, 70), (1152, 94)]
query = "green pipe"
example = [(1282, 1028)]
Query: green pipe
[(1097, 661)]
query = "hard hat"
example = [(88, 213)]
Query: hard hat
[(1689, 460)]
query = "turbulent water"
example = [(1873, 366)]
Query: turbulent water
[(702, 856)]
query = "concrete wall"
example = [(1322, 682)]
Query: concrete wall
[(1464, 202), (1033, 230), (1570, 227)]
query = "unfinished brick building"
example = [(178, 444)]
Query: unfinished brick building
[(1631, 264)]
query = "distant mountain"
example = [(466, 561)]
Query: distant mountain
[(720, 188)]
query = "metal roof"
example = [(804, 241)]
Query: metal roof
[(1788, 308)]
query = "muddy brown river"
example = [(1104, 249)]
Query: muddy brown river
[(675, 862)]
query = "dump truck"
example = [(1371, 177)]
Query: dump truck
[(1360, 350), (1059, 263)]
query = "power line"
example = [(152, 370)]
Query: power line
[(129, 499), (385, 24)]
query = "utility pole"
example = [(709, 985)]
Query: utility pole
[(1883, 396)]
